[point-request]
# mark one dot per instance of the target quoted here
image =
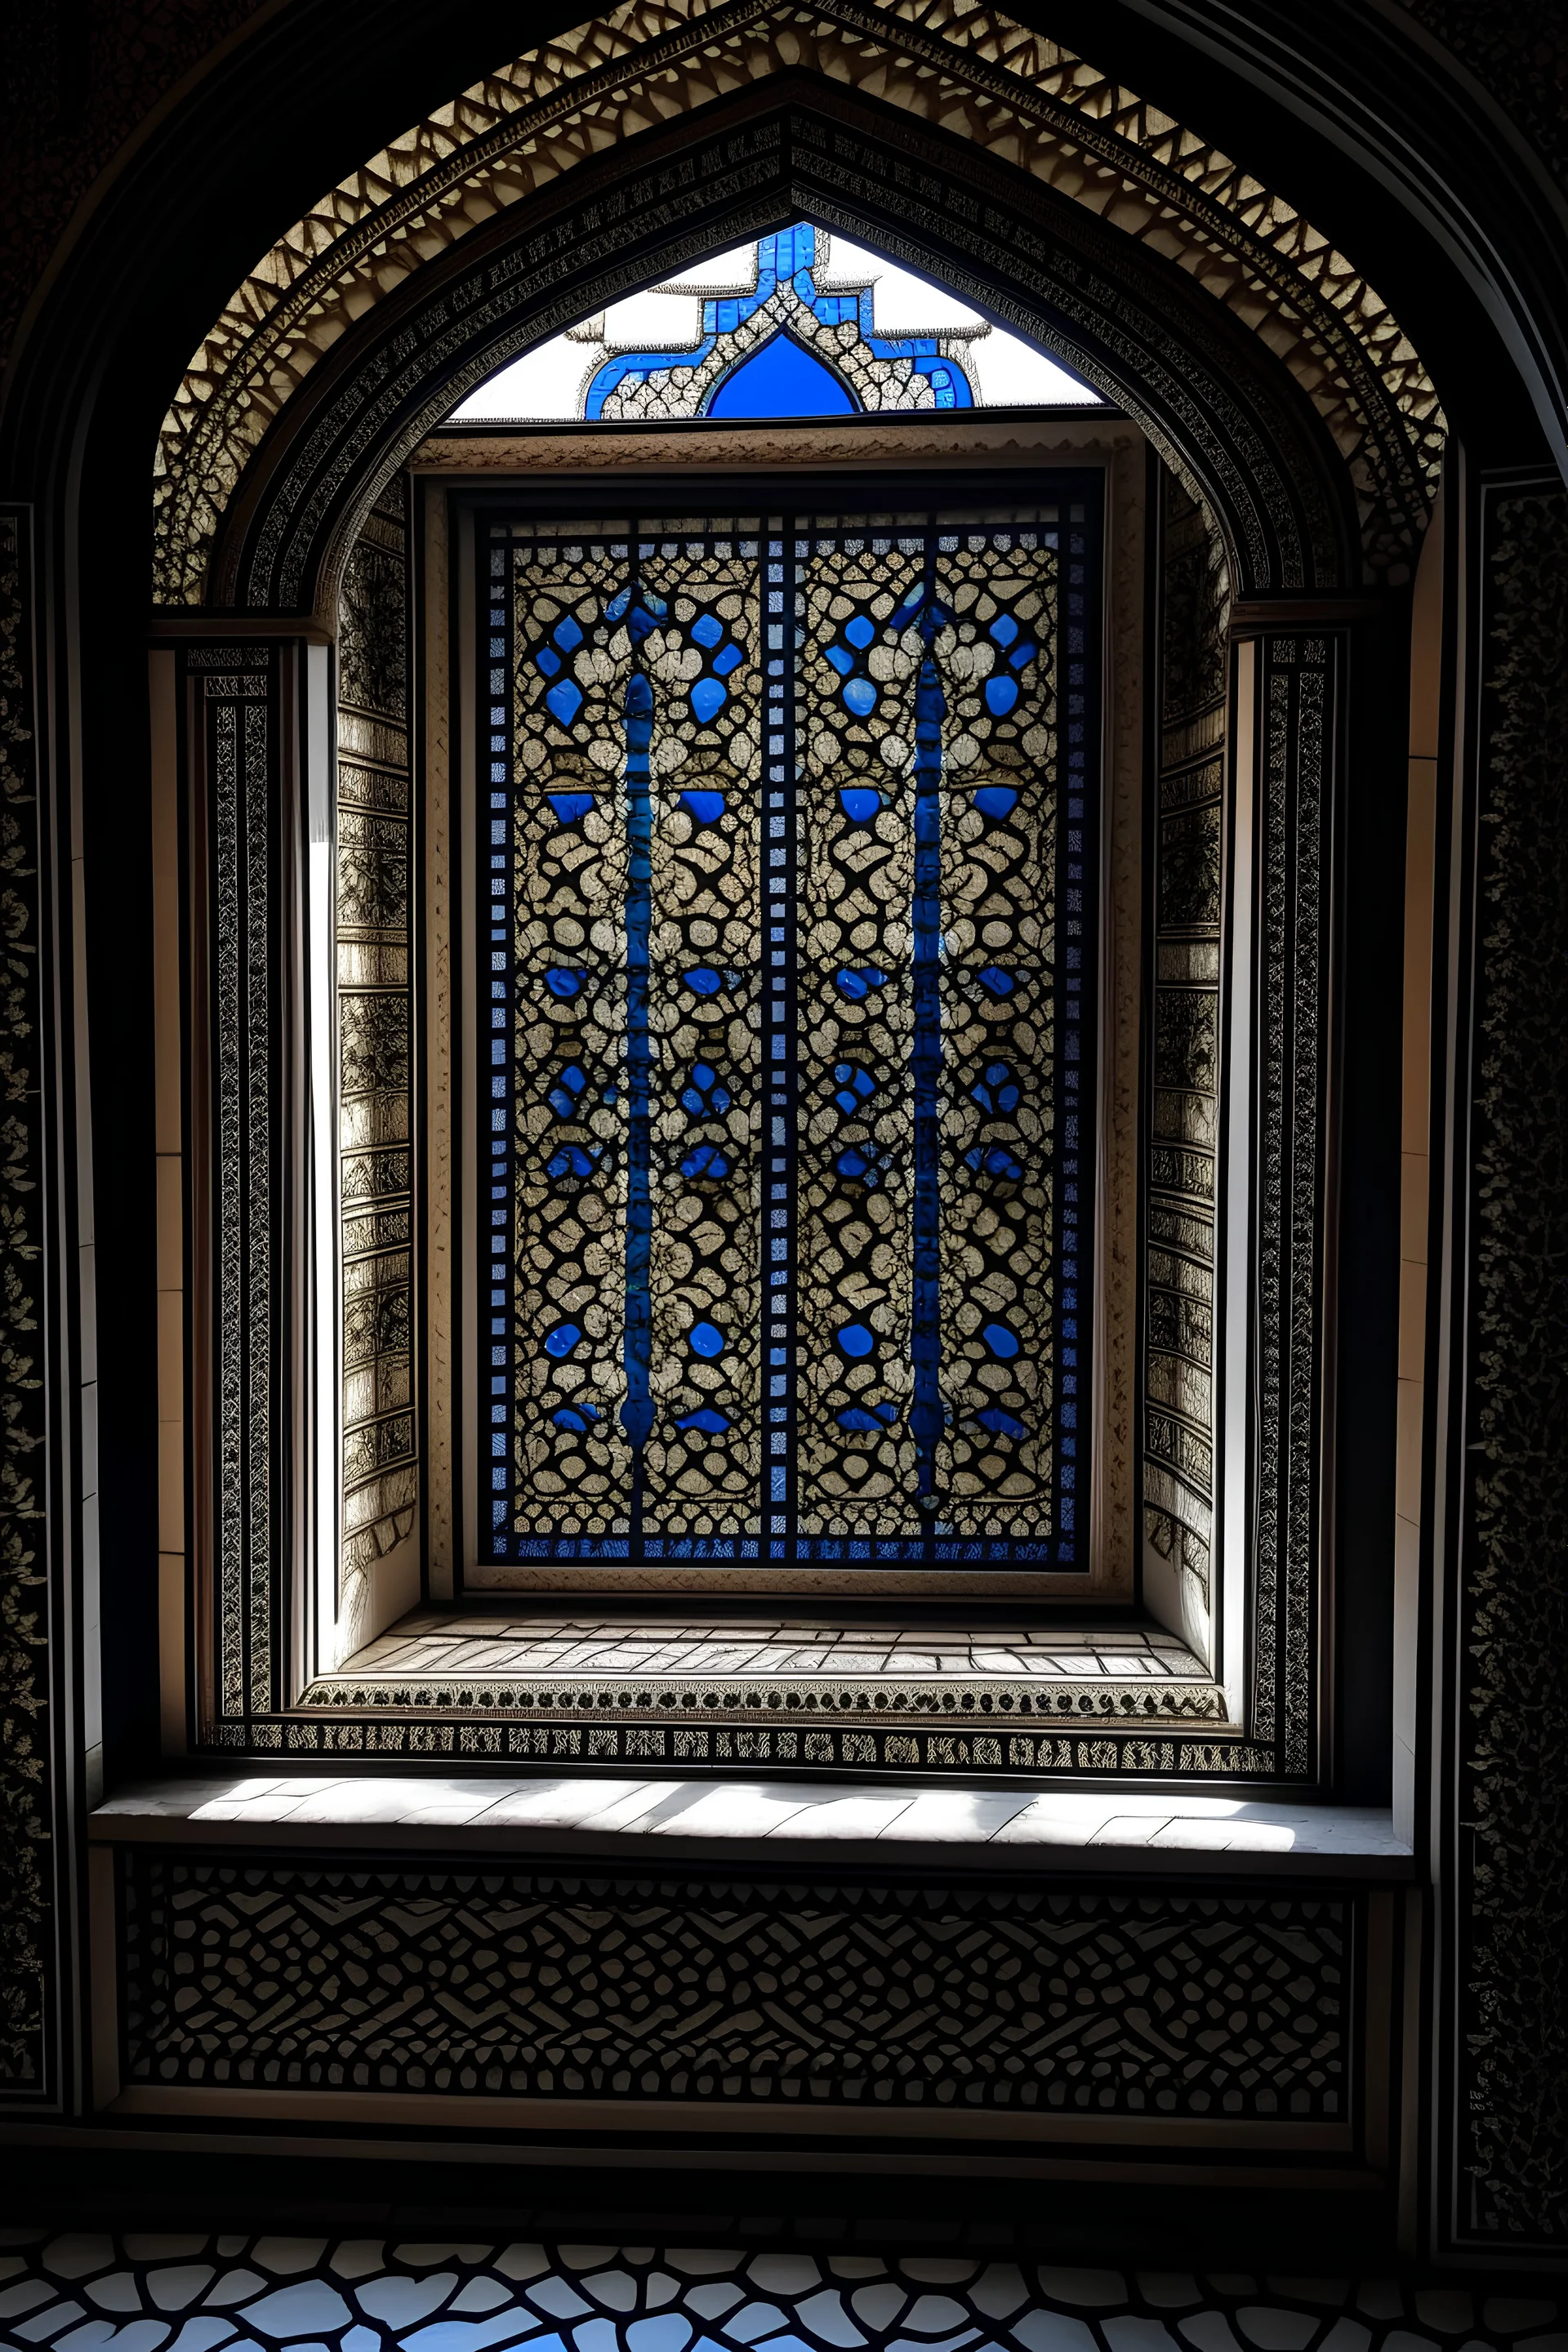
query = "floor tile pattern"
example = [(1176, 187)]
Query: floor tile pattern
[(196, 2292)]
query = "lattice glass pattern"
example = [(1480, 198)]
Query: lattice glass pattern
[(790, 855)]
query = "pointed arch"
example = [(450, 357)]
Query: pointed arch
[(766, 366), (1171, 255)]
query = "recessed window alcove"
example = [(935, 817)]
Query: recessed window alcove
[(805, 957)]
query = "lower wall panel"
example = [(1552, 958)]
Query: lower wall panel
[(1170, 2018)]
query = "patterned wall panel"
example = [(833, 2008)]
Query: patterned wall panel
[(1295, 693), (1186, 828), (427, 1981), (1511, 1646), (233, 695), (26, 1864), (375, 1048)]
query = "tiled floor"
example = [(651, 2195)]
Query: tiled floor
[(505, 1646)]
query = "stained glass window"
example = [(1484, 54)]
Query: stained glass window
[(789, 851), (797, 323)]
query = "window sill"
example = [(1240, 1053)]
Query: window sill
[(720, 1823), (745, 1672)]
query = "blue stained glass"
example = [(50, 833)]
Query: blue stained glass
[(789, 1091), (547, 660), (860, 1167), (564, 700), (782, 379), (852, 1087), (575, 1417), (880, 1417), (860, 806), (637, 1338), (563, 1095), (706, 1164), (707, 1093), (570, 806), (715, 1424), (998, 1091), (572, 1161), (995, 801), (995, 1162)]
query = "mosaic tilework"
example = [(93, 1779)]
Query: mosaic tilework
[(556, 1669), (867, 370), (1182, 1208), (437, 1641), (513, 1985), (27, 1802), (236, 687), (191, 2292), (986, 79), (375, 1048)]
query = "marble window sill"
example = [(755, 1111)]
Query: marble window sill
[(720, 1821)]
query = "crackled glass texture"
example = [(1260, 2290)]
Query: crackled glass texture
[(187, 2291), (788, 855)]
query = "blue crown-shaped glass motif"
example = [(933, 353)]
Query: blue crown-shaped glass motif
[(779, 350)]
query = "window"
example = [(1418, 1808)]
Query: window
[(796, 324), (788, 956)]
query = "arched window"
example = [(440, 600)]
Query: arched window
[(819, 963)]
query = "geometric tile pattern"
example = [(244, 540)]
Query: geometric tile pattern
[(551, 1671), (509, 1985), (196, 2292), (1181, 1213), (500, 1642), (28, 1851), (992, 82), (1509, 1639), (374, 951)]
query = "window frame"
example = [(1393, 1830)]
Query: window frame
[(756, 491)]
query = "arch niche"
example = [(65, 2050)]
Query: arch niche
[(1263, 367), (1301, 427)]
